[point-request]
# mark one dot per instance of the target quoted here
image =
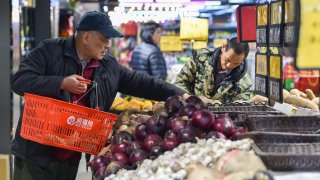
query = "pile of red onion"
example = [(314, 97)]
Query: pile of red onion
[(185, 121)]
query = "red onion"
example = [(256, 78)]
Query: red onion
[(187, 135), (135, 145), (196, 101), (156, 151), (138, 156), (141, 131), (156, 124), (97, 162), (216, 135), (188, 110), (100, 173), (169, 144), (170, 135), (119, 148), (120, 137), (122, 158), (151, 140), (173, 104), (113, 168), (177, 124), (223, 124), (202, 119)]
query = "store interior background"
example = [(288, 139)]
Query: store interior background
[(34, 20)]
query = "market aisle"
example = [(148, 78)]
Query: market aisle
[(82, 172)]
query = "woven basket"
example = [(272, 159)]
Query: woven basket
[(279, 137), (239, 114), (290, 156), (286, 151), (297, 124)]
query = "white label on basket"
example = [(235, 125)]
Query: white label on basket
[(71, 120), (79, 122)]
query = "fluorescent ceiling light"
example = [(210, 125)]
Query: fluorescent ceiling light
[(212, 3), (135, 1), (173, 1)]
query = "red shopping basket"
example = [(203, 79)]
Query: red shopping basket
[(57, 123)]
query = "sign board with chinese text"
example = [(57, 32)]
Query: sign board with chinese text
[(261, 79), (170, 43), (194, 29), (308, 51), (275, 78)]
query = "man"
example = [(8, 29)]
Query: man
[(57, 69), (220, 74)]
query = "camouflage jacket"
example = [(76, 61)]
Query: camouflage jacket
[(197, 77)]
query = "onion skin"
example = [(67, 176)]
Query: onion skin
[(177, 124), (215, 134), (156, 151), (151, 140), (119, 148), (121, 137), (173, 104), (202, 119), (141, 131), (122, 158), (196, 101), (134, 145), (169, 144), (138, 156), (97, 163), (156, 125), (187, 135)]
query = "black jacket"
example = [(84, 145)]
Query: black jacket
[(148, 58), (44, 70)]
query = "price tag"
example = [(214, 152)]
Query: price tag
[(275, 89), (289, 29), (170, 43), (199, 45), (308, 51), (261, 64), (262, 15), (261, 85), (261, 79), (275, 67), (275, 78), (262, 24), (276, 24), (194, 29), (276, 12), (219, 42)]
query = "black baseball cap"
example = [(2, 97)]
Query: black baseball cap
[(98, 21)]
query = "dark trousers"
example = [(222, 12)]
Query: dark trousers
[(57, 170)]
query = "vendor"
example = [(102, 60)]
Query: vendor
[(219, 74)]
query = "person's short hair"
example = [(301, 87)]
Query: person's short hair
[(147, 31), (238, 48)]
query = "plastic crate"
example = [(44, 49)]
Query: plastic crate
[(286, 151), (61, 124), (297, 124), (239, 114)]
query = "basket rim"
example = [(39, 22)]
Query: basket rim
[(277, 133), (259, 152)]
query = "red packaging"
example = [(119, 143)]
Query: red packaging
[(246, 23)]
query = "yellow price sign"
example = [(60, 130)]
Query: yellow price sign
[(262, 15), (275, 67), (261, 64), (276, 12), (170, 43), (199, 45), (289, 11), (194, 29), (308, 52), (219, 42)]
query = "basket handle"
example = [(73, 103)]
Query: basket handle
[(94, 85)]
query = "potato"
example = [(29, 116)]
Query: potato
[(285, 94), (236, 161), (200, 172), (298, 93), (301, 102), (310, 94), (316, 100), (258, 98)]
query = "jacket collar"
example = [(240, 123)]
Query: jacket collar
[(70, 48)]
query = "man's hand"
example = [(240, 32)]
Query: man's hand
[(73, 84)]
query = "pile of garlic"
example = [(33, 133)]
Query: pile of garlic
[(171, 165)]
